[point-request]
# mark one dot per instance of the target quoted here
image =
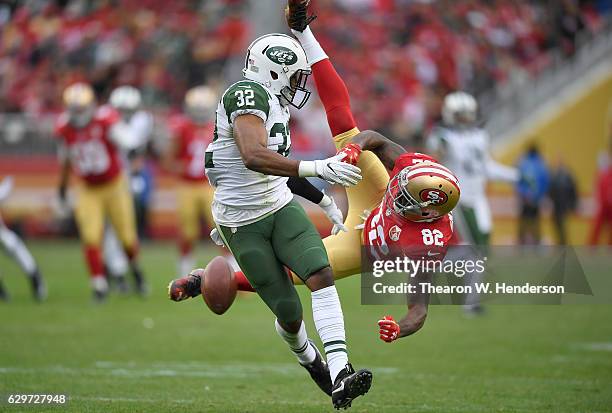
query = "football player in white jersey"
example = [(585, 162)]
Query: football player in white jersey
[(463, 146), (261, 224), (133, 130)]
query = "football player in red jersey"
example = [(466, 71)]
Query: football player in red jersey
[(88, 146), (190, 134), (408, 207)]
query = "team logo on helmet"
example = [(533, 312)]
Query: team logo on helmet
[(281, 55), (435, 196)]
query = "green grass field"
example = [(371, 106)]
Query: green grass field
[(134, 355)]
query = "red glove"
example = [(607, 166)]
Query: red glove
[(389, 329), (352, 151)]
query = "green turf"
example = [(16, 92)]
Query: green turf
[(134, 355)]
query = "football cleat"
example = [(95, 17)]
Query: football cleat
[(185, 287), (100, 289), (319, 371), (349, 385), (3, 294), (296, 14), (142, 288), (39, 289)]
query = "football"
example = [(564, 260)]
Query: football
[(218, 285)]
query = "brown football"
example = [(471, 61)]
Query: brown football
[(218, 285)]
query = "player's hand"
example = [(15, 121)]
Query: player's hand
[(216, 237), (389, 329), (60, 206), (335, 171), (333, 213), (352, 151)]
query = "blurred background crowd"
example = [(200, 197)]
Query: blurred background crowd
[(398, 69), (399, 59)]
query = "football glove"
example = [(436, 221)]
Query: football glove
[(389, 329), (297, 16), (333, 213), (333, 170), (216, 237), (352, 151)]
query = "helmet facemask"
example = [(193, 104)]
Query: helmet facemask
[(79, 116), (402, 202), (296, 93)]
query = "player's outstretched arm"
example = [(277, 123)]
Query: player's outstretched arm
[(413, 321), (331, 88), (251, 137), (384, 148)]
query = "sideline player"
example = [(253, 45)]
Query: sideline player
[(14, 247), (89, 145), (396, 214), (261, 223)]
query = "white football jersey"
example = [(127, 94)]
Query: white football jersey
[(466, 153), (243, 196)]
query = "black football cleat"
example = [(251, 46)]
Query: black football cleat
[(3, 293), (349, 385), (297, 15), (319, 371), (38, 286), (99, 296), (185, 287), (142, 288)]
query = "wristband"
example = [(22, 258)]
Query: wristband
[(307, 168)]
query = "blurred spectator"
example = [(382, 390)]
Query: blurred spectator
[(603, 200), (161, 47), (532, 188), (564, 198), (399, 57)]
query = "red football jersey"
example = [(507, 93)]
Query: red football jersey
[(387, 231), (93, 155), (191, 141)]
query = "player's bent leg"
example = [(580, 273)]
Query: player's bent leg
[(251, 246), (17, 249), (299, 246), (252, 249)]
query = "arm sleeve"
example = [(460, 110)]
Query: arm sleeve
[(334, 96), (303, 188)]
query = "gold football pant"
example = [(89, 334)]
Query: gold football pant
[(112, 200), (194, 201), (344, 249)]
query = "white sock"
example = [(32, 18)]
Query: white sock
[(99, 283), (298, 343), (314, 51), (186, 264), (328, 318)]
